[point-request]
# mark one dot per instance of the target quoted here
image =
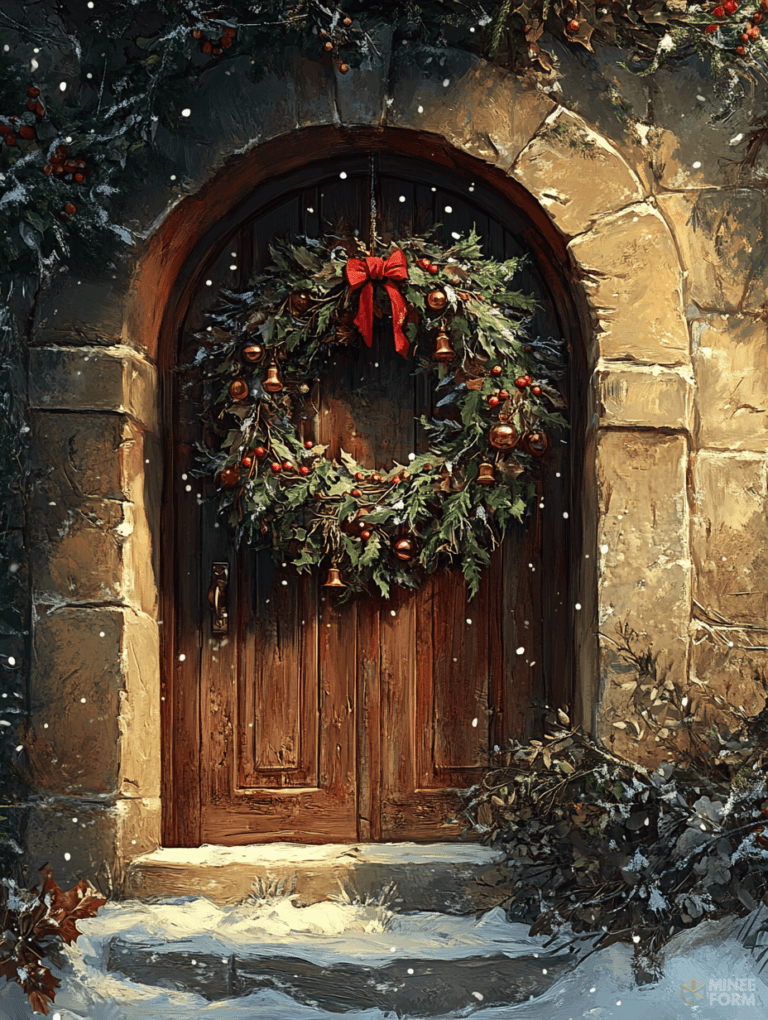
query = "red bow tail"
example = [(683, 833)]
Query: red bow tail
[(360, 274)]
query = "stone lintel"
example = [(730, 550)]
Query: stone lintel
[(555, 167), (632, 278), (94, 379), (647, 396)]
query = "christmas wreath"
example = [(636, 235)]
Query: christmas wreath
[(454, 313)]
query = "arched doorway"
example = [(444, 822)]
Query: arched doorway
[(313, 722)]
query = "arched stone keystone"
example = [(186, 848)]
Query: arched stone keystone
[(633, 283), (575, 174)]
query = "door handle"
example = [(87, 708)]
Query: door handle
[(217, 596)]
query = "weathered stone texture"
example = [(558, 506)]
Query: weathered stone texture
[(630, 395), (719, 238), (733, 674), (94, 714), (730, 360), (94, 509), (476, 107), (555, 165), (644, 568), (634, 287), (93, 379), (730, 538)]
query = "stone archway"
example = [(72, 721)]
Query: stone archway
[(615, 271)]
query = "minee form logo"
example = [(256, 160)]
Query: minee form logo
[(721, 992)]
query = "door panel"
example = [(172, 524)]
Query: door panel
[(321, 722)]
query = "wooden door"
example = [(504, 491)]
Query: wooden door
[(312, 721)]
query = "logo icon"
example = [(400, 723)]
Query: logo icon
[(689, 992)]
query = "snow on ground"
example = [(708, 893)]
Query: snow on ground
[(601, 987)]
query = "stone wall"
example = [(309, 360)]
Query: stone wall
[(665, 262)]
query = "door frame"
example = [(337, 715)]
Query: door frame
[(274, 162)]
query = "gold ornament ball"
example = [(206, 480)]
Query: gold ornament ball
[(300, 302), (252, 353), (437, 300), (405, 549), (238, 389), (229, 476), (503, 436), (536, 443)]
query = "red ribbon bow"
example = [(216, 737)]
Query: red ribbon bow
[(362, 273)]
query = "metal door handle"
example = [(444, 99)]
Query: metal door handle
[(217, 596)]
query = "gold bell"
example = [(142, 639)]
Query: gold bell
[(443, 349), (486, 475), (273, 383), (334, 579)]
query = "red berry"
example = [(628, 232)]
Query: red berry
[(260, 452), (79, 178), (359, 476), (308, 444), (520, 382), (356, 493), (10, 139), (573, 25), (247, 460), (744, 37), (343, 68), (304, 470), (197, 33), (33, 92), (232, 32), (731, 6), (276, 468), (396, 480), (287, 465), (226, 41), (434, 270), (365, 534), (497, 370), (710, 29), (764, 6), (740, 51), (70, 208), (31, 104), (427, 467), (5, 129), (536, 390), (424, 264), (217, 51), (493, 400), (58, 168), (376, 477), (39, 108), (503, 395), (207, 46), (754, 32)]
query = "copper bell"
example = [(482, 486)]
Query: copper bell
[(486, 475), (252, 353), (334, 579), (405, 549), (273, 383), (535, 443), (503, 436), (238, 389), (443, 350)]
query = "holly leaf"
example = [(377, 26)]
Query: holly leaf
[(371, 552)]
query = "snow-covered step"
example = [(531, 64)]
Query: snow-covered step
[(455, 878), (338, 957)]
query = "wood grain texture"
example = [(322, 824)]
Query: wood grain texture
[(318, 722)]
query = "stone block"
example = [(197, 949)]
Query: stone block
[(361, 93), (730, 538), (733, 674), (644, 569), (74, 310), (558, 162), (83, 838), (477, 107), (638, 395), (633, 283), (730, 363), (690, 137), (95, 509), (94, 702), (719, 237), (93, 379)]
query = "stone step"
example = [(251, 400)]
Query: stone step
[(410, 985), (447, 877)]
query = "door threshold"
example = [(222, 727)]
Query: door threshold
[(447, 877)]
